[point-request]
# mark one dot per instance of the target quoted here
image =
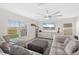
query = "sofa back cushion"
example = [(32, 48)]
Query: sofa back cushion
[(13, 49), (5, 47), (60, 39), (1, 40), (67, 41), (18, 50), (7, 38), (21, 43)]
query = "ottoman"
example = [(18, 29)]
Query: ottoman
[(38, 46)]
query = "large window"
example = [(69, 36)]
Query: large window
[(49, 26), (16, 29)]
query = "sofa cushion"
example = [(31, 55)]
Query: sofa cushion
[(60, 51), (18, 50), (60, 39), (1, 40), (57, 51), (71, 47), (66, 41), (21, 43), (5, 47), (14, 49), (58, 44)]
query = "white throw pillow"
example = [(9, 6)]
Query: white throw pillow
[(71, 47)]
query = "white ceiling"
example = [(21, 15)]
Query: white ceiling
[(31, 10)]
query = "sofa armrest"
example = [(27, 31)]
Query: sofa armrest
[(76, 53)]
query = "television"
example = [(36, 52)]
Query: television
[(49, 26)]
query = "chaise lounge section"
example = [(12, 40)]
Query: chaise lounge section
[(65, 45)]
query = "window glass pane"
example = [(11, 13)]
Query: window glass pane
[(13, 23), (12, 28)]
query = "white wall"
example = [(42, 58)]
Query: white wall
[(77, 26), (59, 23), (6, 15)]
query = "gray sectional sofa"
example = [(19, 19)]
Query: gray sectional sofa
[(64, 45), (8, 48), (61, 45)]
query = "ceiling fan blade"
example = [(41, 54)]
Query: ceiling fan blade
[(55, 13), (57, 16)]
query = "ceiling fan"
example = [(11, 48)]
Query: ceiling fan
[(48, 15)]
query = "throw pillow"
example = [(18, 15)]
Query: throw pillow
[(1, 40), (5, 47)]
